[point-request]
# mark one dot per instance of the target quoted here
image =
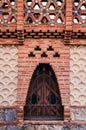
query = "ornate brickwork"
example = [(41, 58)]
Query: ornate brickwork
[(78, 75), (79, 12), (35, 52), (44, 12), (8, 75), (49, 32), (8, 12)]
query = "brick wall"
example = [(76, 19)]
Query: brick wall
[(28, 64), (17, 64)]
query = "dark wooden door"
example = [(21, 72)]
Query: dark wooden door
[(43, 99)]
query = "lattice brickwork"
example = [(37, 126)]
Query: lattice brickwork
[(8, 75), (78, 76), (8, 12), (79, 12), (44, 12)]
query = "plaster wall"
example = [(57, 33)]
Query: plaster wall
[(8, 75), (78, 76)]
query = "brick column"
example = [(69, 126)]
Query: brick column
[(20, 21), (68, 28)]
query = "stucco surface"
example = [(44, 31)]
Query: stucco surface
[(8, 75), (78, 76)]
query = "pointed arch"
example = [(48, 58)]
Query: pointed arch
[(43, 98)]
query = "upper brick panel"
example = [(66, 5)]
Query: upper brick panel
[(79, 15), (62, 19), (8, 13), (44, 13)]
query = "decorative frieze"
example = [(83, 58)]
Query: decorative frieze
[(44, 12), (79, 12)]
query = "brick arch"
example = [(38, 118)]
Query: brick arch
[(63, 91), (55, 91), (60, 66), (28, 79), (51, 68)]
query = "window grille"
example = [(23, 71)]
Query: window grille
[(8, 12), (79, 12), (49, 12)]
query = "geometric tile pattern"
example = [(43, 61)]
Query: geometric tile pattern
[(8, 12), (8, 75), (44, 12), (78, 76), (79, 12)]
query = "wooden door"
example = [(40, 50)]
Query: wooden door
[(43, 99)]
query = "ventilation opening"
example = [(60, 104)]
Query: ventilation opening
[(44, 2), (29, 2), (76, 2), (5, 5), (43, 100), (59, 2), (29, 20), (76, 20), (52, 7), (36, 15), (5, 15), (44, 20), (59, 20), (52, 16), (36, 7), (12, 20), (83, 7), (83, 16), (12, 2)]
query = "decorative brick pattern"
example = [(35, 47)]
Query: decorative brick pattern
[(8, 75), (78, 15), (44, 12), (44, 28), (53, 53), (78, 75), (79, 12), (8, 12)]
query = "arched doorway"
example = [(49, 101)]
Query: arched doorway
[(43, 100)]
